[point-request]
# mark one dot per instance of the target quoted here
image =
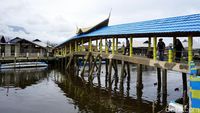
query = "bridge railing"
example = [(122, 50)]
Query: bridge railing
[(25, 55)]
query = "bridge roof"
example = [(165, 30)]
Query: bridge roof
[(181, 24)]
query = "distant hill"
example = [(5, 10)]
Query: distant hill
[(18, 29)]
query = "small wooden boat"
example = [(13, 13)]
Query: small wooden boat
[(23, 65)]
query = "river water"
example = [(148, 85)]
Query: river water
[(53, 90)]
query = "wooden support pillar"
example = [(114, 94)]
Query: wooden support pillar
[(113, 46), (155, 48), (149, 43), (70, 47), (106, 45), (116, 45), (99, 72), (97, 48), (164, 86), (159, 79), (75, 46), (185, 96), (122, 72), (106, 77), (164, 81), (170, 55), (110, 72), (82, 49), (101, 49), (90, 45), (87, 58), (174, 49), (189, 49), (139, 76), (131, 47)]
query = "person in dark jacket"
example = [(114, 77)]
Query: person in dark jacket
[(178, 48), (161, 49), (127, 48)]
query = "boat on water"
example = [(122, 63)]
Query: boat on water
[(23, 65)]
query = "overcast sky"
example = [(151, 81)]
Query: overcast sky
[(56, 20)]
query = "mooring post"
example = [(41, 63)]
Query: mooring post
[(139, 76)]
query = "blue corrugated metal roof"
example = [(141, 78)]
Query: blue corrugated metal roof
[(189, 23)]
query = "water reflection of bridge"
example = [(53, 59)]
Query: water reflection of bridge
[(96, 98)]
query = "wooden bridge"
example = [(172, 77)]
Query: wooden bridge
[(175, 27)]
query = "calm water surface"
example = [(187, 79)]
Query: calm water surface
[(55, 91)]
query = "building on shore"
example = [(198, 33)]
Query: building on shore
[(19, 47)]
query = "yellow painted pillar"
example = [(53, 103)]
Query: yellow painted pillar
[(82, 49), (113, 46), (65, 50), (170, 55), (75, 46), (116, 45), (70, 47), (106, 45), (97, 45), (155, 48), (131, 46), (190, 49), (101, 45), (90, 45)]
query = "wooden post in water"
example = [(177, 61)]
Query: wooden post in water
[(110, 72), (185, 97), (164, 86), (99, 72), (90, 45), (139, 76), (106, 77), (159, 79)]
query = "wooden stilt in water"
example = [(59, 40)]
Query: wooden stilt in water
[(99, 72), (122, 72), (110, 72), (139, 76), (164, 86), (90, 77), (70, 60), (87, 58), (185, 96), (159, 79), (106, 77)]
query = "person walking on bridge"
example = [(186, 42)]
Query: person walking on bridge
[(179, 48), (127, 48), (161, 49)]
